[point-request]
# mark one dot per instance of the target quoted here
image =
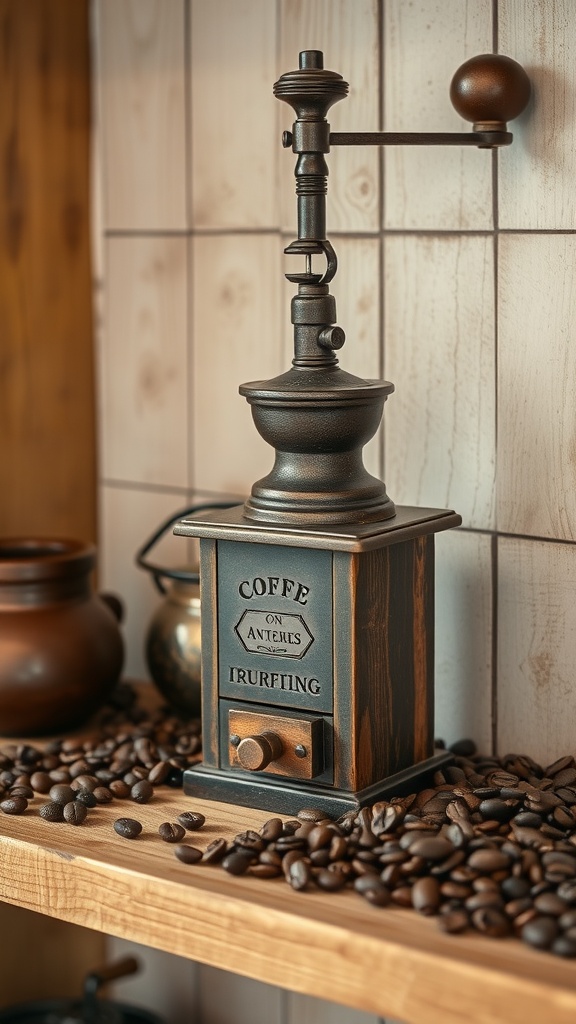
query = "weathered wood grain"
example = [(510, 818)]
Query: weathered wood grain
[(536, 174), (433, 188), (334, 946), (139, 49), (47, 459)]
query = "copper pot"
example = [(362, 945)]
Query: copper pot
[(61, 650)]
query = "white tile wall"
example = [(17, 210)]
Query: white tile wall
[(347, 33), (439, 351), (537, 385), (232, 133), (462, 297), (464, 635), (141, 77), (537, 618), (144, 361), (424, 42), (236, 338), (537, 173)]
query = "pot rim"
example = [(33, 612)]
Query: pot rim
[(25, 559)]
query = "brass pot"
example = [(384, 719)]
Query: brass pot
[(61, 650), (173, 649), (172, 644)]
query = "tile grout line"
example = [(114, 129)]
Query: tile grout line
[(189, 297), (381, 230), (494, 540), (396, 232)]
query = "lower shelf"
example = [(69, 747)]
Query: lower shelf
[(390, 962)]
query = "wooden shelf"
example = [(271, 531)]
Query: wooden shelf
[(388, 962)]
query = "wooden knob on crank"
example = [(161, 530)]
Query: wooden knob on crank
[(490, 90), (256, 752)]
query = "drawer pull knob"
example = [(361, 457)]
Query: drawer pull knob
[(256, 752)]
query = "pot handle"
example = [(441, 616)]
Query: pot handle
[(158, 571), (109, 972), (114, 603)]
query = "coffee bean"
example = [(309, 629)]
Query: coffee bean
[(119, 789), (215, 851), (431, 849), (61, 793), (84, 796), (564, 946), (171, 832), (51, 811), (291, 826), (499, 810), (320, 836), (515, 888), (264, 870), (159, 773), (236, 863), (540, 932), (85, 782), (74, 813), (128, 828), (491, 921), (551, 904), (463, 748), (272, 829), (488, 860), (102, 795), (188, 854), (191, 820), (567, 891), (40, 782), (142, 791), (426, 895), (311, 814), (559, 765), (14, 805), (454, 922), (377, 895), (250, 840), (299, 874), (330, 880), (568, 920), (21, 790)]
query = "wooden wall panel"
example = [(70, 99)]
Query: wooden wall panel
[(47, 458), (537, 386), (536, 174), (237, 338), (439, 337), (144, 362), (444, 188), (537, 648), (232, 109), (464, 632), (142, 96), (47, 429), (348, 35)]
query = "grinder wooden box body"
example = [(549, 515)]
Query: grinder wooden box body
[(323, 639)]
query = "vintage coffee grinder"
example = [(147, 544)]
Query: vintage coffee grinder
[(318, 593)]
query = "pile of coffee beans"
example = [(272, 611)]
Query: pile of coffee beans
[(126, 754), (489, 845)]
